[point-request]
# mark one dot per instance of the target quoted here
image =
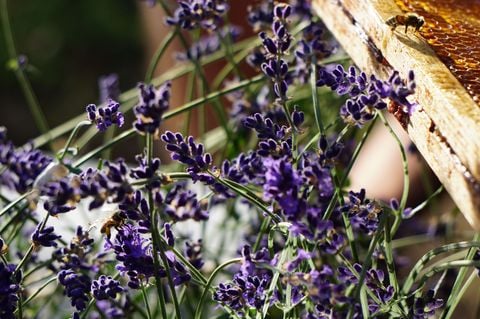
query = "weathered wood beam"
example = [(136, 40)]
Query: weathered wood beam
[(446, 129)]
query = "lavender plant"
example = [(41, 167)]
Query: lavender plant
[(277, 169)]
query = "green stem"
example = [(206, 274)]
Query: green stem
[(389, 257), (316, 104), (32, 246), (365, 265), (70, 139), (406, 178), (158, 55), (473, 246), (454, 298), (14, 203), (32, 101), (147, 305), (48, 282), (154, 230)]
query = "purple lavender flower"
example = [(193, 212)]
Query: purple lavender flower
[(249, 286), (329, 153), (265, 127), (209, 44), (106, 116), (106, 287), (260, 16), (111, 184), (62, 196), (319, 177), (362, 212), (193, 14), (168, 234), (312, 46), (301, 8), (275, 66), (109, 87), (193, 251), (425, 307), (282, 184), (274, 141), (77, 287), (367, 94), (151, 106), (45, 237), (75, 255), (9, 287), (188, 152), (147, 170), (135, 207), (182, 204), (135, 254), (21, 166), (178, 271)]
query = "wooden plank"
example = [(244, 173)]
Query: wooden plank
[(446, 129)]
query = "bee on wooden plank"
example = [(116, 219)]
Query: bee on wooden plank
[(408, 20)]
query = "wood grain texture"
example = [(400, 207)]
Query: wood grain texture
[(446, 129)]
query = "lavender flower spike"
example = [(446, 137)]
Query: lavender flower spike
[(150, 108), (107, 116)]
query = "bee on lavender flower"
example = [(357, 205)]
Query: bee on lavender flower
[(115, 220), (407, 19)]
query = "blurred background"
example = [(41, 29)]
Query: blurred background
[(68, 44)]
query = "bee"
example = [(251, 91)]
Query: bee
[(115, 220), (407, 19)]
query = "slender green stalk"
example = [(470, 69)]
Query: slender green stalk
[(162, 48), (365, 265), (154, 231), (423, 204), (406, 178), (219, 110), (316, 104), (216, 271), (147, 305), (32, 101), (64, 151), (32, 246), (14, 203), (392, 275), (48, 282), (473, 246), (276, 276), (252, 199), (454, 297)]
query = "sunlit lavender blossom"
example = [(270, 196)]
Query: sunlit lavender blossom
[(209, 44), (104, 117), (182, 204), (20, 166), (193, 252), (134, 253), (193, 14), (188, 152), (45, 237), (106, 287), (367, 94), (77, 287), (151, 106), (276, 47)]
